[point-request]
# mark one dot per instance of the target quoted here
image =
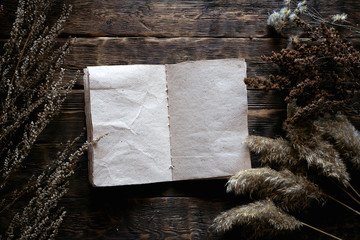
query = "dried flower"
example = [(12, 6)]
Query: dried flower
[(32, 89), (262, 216), (317, 152), (40, 219), (278, 20), (344, 135), (319, 75), (301, 7), (290, 192), (339, 17), (275, 153)]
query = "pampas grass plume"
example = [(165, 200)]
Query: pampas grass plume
[(317, 152), (260, 215), (287, 190), (345, 136), (275, 152)]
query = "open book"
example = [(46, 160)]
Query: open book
[(166, 122)]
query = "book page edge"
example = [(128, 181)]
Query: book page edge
[(89, 127)]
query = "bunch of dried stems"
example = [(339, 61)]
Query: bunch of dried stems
[(320, 76), (32, 89)]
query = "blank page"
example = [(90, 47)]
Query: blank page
[(208, 118), (130, 104)]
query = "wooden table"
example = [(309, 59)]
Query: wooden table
[(172, 31)]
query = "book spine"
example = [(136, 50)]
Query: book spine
[(171, 167)]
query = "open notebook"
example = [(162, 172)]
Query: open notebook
[(166, 122)]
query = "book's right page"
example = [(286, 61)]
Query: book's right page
[(208, 118)]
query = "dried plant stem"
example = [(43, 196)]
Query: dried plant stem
[(321, 231), (350, 195), (32, 90), (334, 199), (347, 192), (20, 57), (354, 190), (10, 204)]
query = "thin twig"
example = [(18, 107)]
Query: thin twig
[(334, 199), (321, 231), (20, 57), (349, 194), (352, 188)]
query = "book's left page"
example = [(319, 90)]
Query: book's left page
[(129, 103)]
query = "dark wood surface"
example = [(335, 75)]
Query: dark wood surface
[(172, 31)]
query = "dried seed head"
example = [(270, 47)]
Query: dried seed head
[(263, 216), (288, 191), (343, 134), (276, 153), (317, 152)]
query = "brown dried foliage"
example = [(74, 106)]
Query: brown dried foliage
[(320, 74)]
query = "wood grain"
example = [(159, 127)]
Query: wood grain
[(163, 32), (140, 50), (176, 18)]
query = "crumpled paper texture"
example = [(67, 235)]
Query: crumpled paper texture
[(166, 122), (208, 118), (130, 104)]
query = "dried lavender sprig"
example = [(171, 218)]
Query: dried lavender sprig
[(15, 157), (28, 66), (38, 220), (31, 94), (287, 190)]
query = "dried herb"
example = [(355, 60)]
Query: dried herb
[(32, 89), (319, 75)]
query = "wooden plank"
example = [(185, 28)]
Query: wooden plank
[(113, 51), (139, 50), (114, 216), (175, 31), (176, 18)]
